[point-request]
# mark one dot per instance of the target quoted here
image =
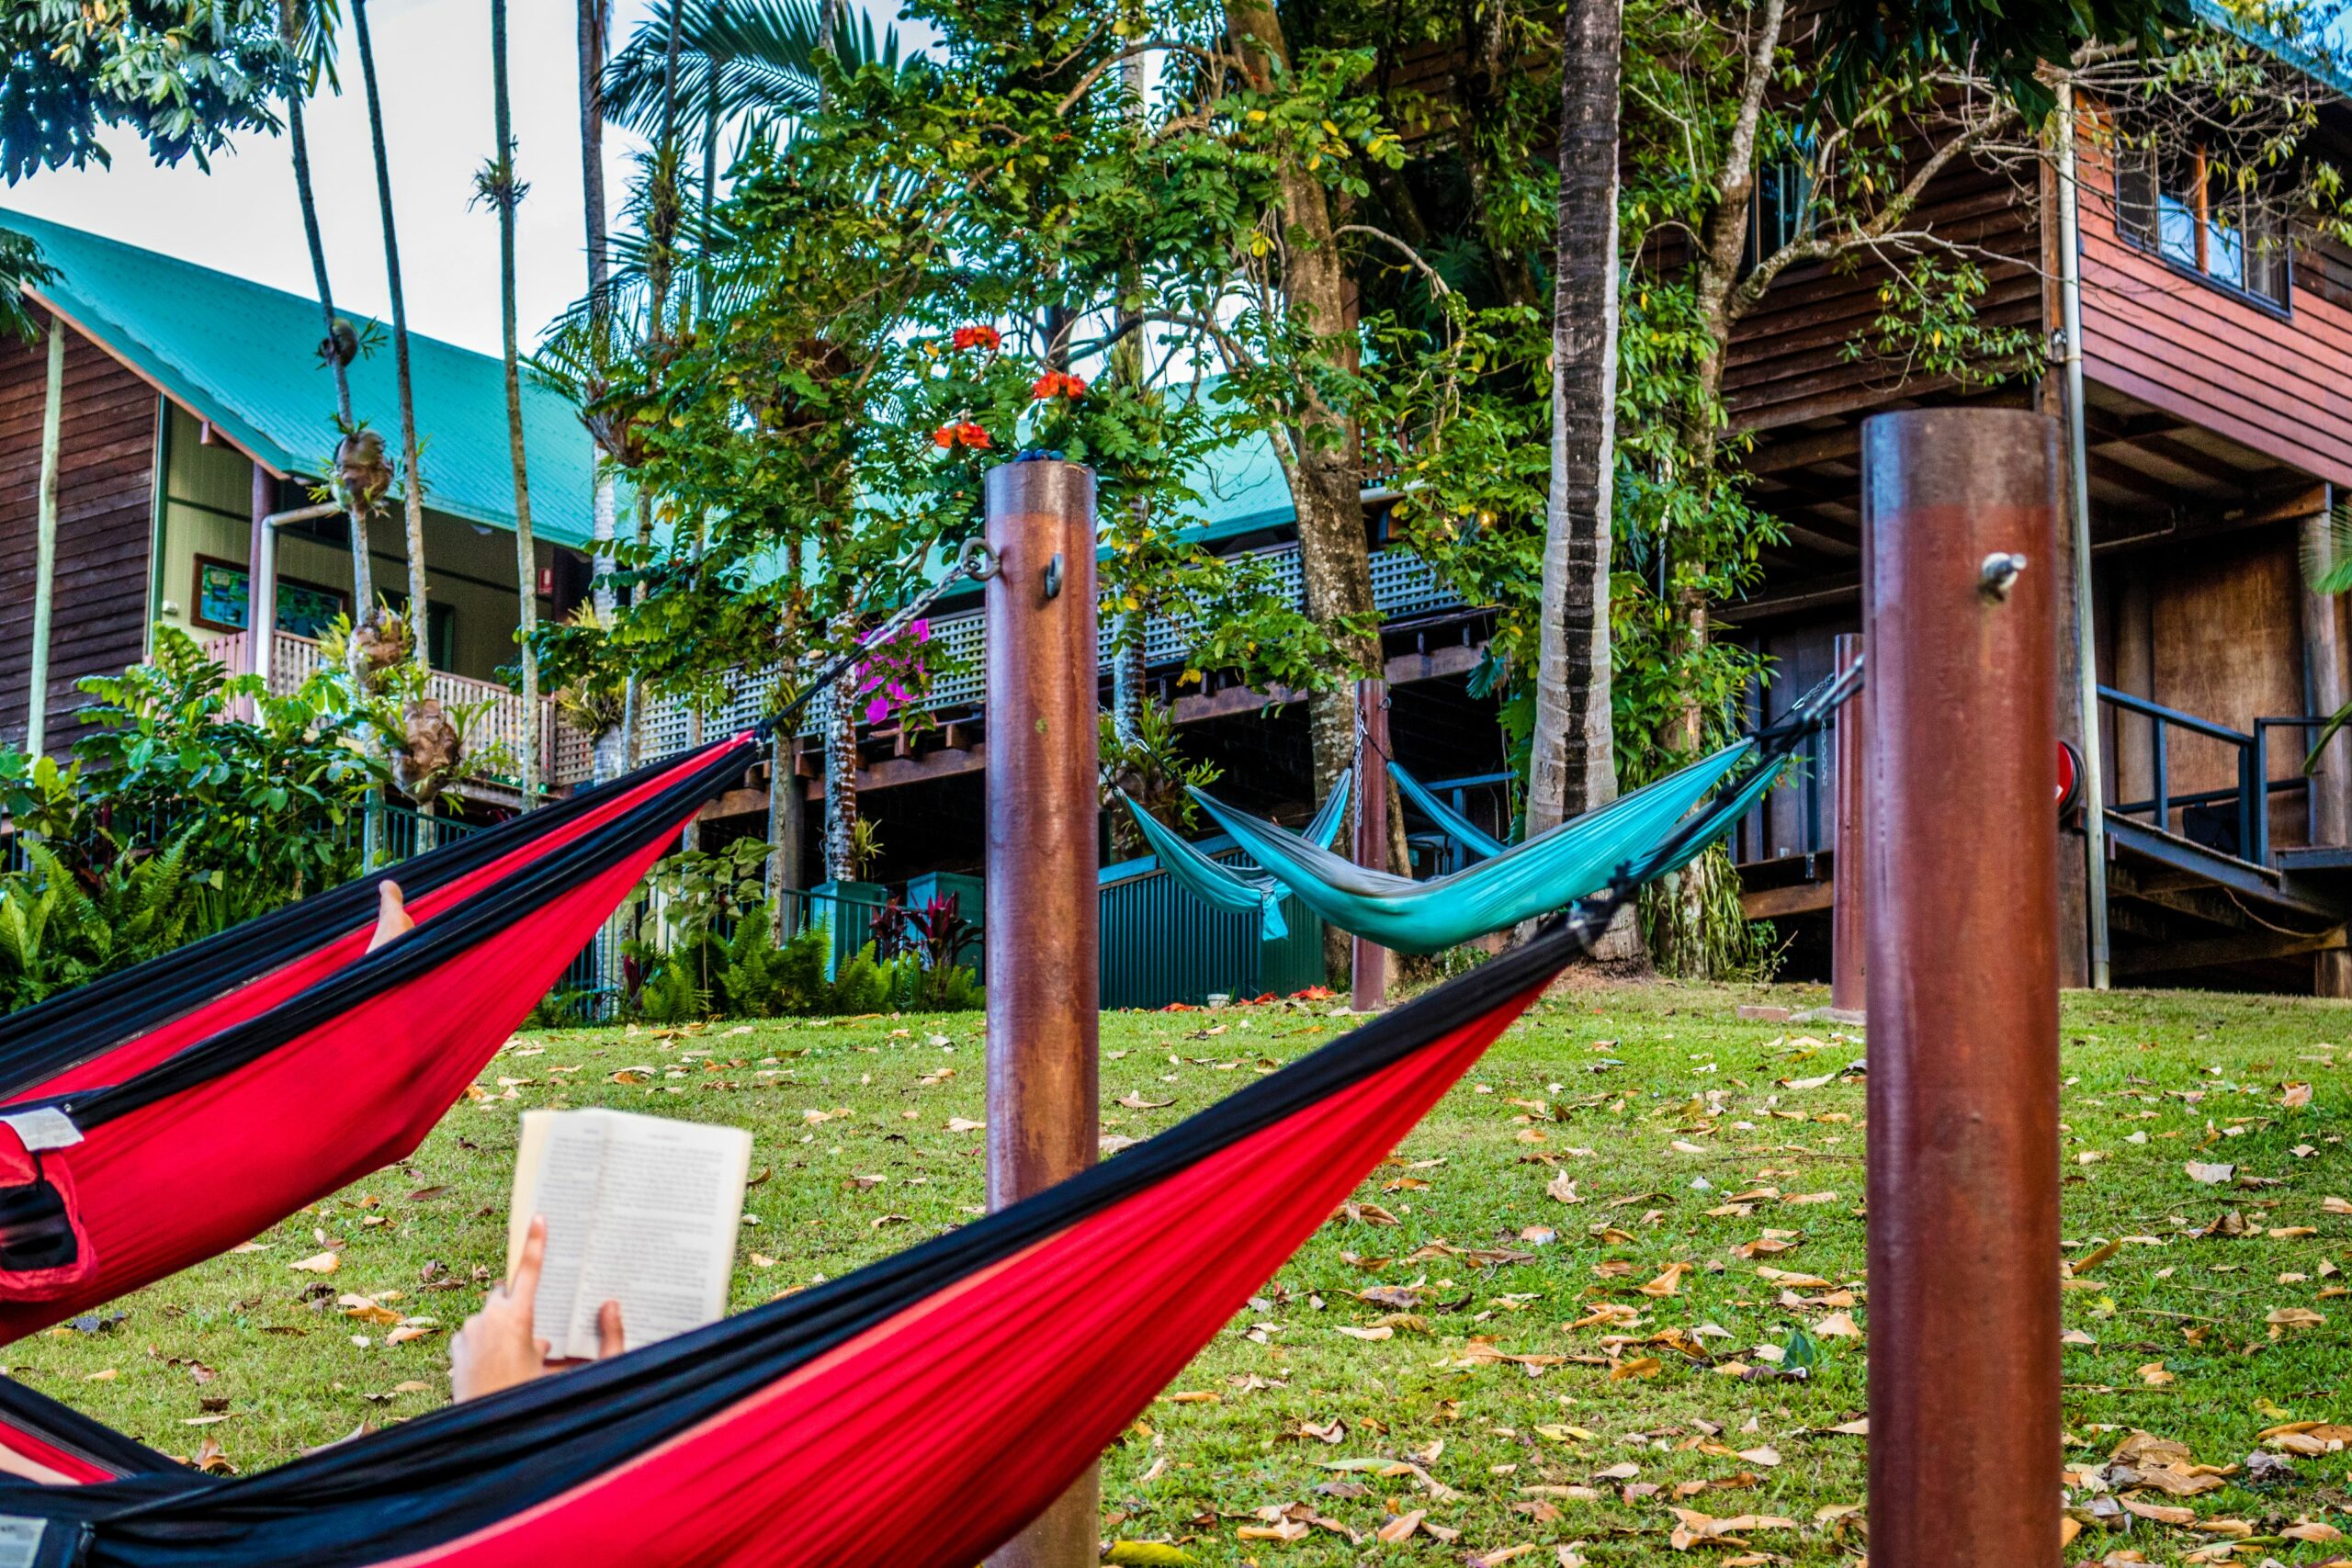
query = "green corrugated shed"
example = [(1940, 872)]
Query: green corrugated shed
[(246, 357)]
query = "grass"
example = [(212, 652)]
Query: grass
[(1637, 1096)]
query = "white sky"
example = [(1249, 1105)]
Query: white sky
[(432, 62)]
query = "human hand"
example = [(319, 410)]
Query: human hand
[(495, 1348)]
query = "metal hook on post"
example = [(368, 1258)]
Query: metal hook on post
[(976, 560), (1054, 576)]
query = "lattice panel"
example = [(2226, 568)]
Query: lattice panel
[(1402, 584)]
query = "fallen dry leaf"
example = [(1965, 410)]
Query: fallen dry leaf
[(320, 1263)]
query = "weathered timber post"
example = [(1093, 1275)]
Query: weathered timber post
[(1960, 877), (1043, 809), (45, 546), (1368, 986), (1848, 935), (2324, 678)]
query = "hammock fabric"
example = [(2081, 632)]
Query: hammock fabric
[(1476, 842), (1215, 882), (158, 1118), (1526, 879), (867, 1420)]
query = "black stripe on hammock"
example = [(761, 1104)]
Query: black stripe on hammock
[(40, 1042), (477, 920)]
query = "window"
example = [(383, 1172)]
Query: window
[(1781, 208), (2176, 205)]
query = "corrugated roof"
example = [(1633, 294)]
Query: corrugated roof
[(246, 357)]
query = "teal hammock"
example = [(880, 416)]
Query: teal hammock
[(1517, 883), (1214, 882), (1475, 842)]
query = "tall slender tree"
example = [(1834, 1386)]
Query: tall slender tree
[(412, 475), (1574, 768), (306, 33), (596, 31), (504, 190)]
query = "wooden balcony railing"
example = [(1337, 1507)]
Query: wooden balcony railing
[(566, 756)]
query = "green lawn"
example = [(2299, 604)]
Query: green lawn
[(1473, 1358)]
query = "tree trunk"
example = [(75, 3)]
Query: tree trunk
[(841, 781), (412, 481), (363, 574), (1322, 455), (595, 22), (1573, 769), (505, 192)]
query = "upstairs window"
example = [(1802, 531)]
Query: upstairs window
[(1781, 208), (2174, 204)]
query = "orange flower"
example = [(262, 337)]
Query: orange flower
[(978, 337), (1058, 384), (964, 433)]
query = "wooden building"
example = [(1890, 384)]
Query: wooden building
[(192, 405), (2217, 359)]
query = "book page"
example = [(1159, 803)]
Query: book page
[(559, 1168), (668, 1204)]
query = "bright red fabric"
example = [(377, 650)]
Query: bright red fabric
[(319, 1112), (928, 1440), (333, 952), (65, 1466)]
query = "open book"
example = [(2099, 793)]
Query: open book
[(640, 1210)]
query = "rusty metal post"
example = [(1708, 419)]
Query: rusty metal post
[(1043, 809), (1959, 874), (1848, 933), (1368, 986)]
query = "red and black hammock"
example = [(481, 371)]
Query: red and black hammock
[(878, 1406), (156, 1118)]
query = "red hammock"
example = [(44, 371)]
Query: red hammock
[(338, 1067), (913, 1414)]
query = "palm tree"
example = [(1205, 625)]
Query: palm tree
[(751, 63), (307, 30), (1573, 767), (500, 186), (596, 31), (412, 478)]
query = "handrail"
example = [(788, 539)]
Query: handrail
[(2188, 721), (2255, 785)]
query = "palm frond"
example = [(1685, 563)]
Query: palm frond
[(737, 58), (21, 267), (2327, 559)]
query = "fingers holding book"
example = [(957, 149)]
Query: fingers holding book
[(497, 1347)]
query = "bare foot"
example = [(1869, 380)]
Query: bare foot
[(391, 915)]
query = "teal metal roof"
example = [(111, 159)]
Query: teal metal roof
[(246, 357), (2309, 62)]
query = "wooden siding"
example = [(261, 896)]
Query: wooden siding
[(2215, 631), (104, 511), (2275, 384), (1789, 358)]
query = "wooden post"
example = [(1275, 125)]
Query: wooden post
[(1959, 601), (2330, 781), (1368, 988), (1848, 935), (1044, 816), (45, 550)]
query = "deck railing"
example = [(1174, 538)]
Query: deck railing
[(502, 725), (2243, 804)]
